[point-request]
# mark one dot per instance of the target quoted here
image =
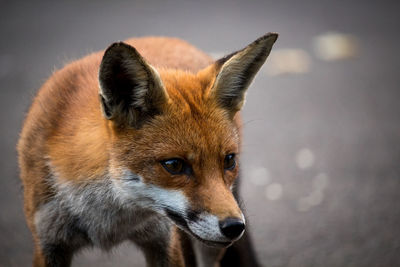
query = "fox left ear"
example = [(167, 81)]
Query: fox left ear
[(131, 90), (236, 71)]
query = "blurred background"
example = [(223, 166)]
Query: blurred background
[(321, 163)]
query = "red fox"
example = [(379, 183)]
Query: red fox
[(141, 143)]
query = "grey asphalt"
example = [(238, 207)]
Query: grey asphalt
[(329, 137)]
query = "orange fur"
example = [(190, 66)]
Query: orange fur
[(66, 136)]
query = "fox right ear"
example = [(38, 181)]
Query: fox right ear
[(131, 90), (236, 71)]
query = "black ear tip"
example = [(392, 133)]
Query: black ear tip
[(118, 47), (269, 37), (273, 35)]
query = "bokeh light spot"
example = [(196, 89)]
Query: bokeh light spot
[(320, 181), (259, 176), (274, 191), (305, 158), (333, 46), (288, 61)]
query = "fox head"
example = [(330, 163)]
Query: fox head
[(175, 139)]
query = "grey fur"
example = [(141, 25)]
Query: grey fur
[(93, 215)]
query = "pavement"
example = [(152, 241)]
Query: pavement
[(321, 152)]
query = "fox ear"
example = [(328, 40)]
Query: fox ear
[(236, 71), (131, 90)]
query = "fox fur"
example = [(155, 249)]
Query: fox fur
[(102, 141)]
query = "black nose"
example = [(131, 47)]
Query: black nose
[(232, 227)]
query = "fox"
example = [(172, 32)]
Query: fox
[(140, 143)]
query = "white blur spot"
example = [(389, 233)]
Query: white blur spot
[(273, 191), (207, 227), (305, 158), (259, 176), (320, 181), (288, 61), (315, 198), (332, 46)]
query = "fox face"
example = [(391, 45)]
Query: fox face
[(175, 137)]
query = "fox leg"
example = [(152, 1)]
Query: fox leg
[(241, 253), (57, 236), (46, 253), (207, 256), (52, 255), (38, 257), (161, 244)]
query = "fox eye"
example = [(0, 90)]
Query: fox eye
[(174, 166), (229, 162)]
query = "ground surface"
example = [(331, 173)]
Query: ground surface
[(322, 149)]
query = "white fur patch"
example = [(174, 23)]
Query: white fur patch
[(207, 227), (136, 192)]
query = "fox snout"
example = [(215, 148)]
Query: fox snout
[(218, 221), (208, 228), (217, 232)]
